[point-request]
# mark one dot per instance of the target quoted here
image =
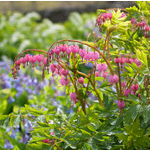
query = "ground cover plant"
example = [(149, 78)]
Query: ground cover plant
[(106, 82)]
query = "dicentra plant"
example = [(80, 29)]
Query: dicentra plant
[(114, 68)]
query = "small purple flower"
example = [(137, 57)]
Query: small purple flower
[(25, 138), (89, 65), (13, 134), (11, 99), (17, 129), (116, 101), (8, 145), (27, 126)]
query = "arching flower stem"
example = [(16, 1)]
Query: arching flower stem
[(101, 54)]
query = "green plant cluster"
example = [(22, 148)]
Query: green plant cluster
[(101, 125)]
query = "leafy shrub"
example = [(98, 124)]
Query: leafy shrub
[(107, 81)]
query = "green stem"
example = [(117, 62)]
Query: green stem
[(120, 93)]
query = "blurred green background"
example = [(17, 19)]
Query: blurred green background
[(37, 24)]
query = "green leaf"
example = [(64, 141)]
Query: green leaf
[(146, 113), (92, 127), (142, 57), (15, 120), (131, 113), (45, 124), (34, 111), (3, 117), (85, 133), (99, 78), (5, 91)]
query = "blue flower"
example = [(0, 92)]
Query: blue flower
[(11, 100), (13, 134), (8, 145)]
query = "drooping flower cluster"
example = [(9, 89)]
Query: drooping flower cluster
[(101, 68), (132, 90), (74, 49), (73, 97), (57, 51), (26, 60), (143, 26), (106, 16), (123, 60), (113, 79), (103, 17)]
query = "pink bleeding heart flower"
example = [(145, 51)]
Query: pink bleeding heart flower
[(45, 61), (81, 80), (82, 53), (127, 92), (28, 58), (135, 87), (96, 56), (122, 60), (104, 67), (52, 133), (113, 79), (68, 51), (123, 15), (143, 23), (21, 60), (101, 67), (57, 50), (32, 59), (146, 28), (64, 72), (61, 48), (104, 74), (53, 68), (64, 81), (17, 62), (137, 62), (86, 57), (97, 74), (40, 59), (90, 56), (116, 60), (74, 49), (46, 141), (73, 97), (133, 21), (123, 84), (139, 95), (24, 61), (121, 105)]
